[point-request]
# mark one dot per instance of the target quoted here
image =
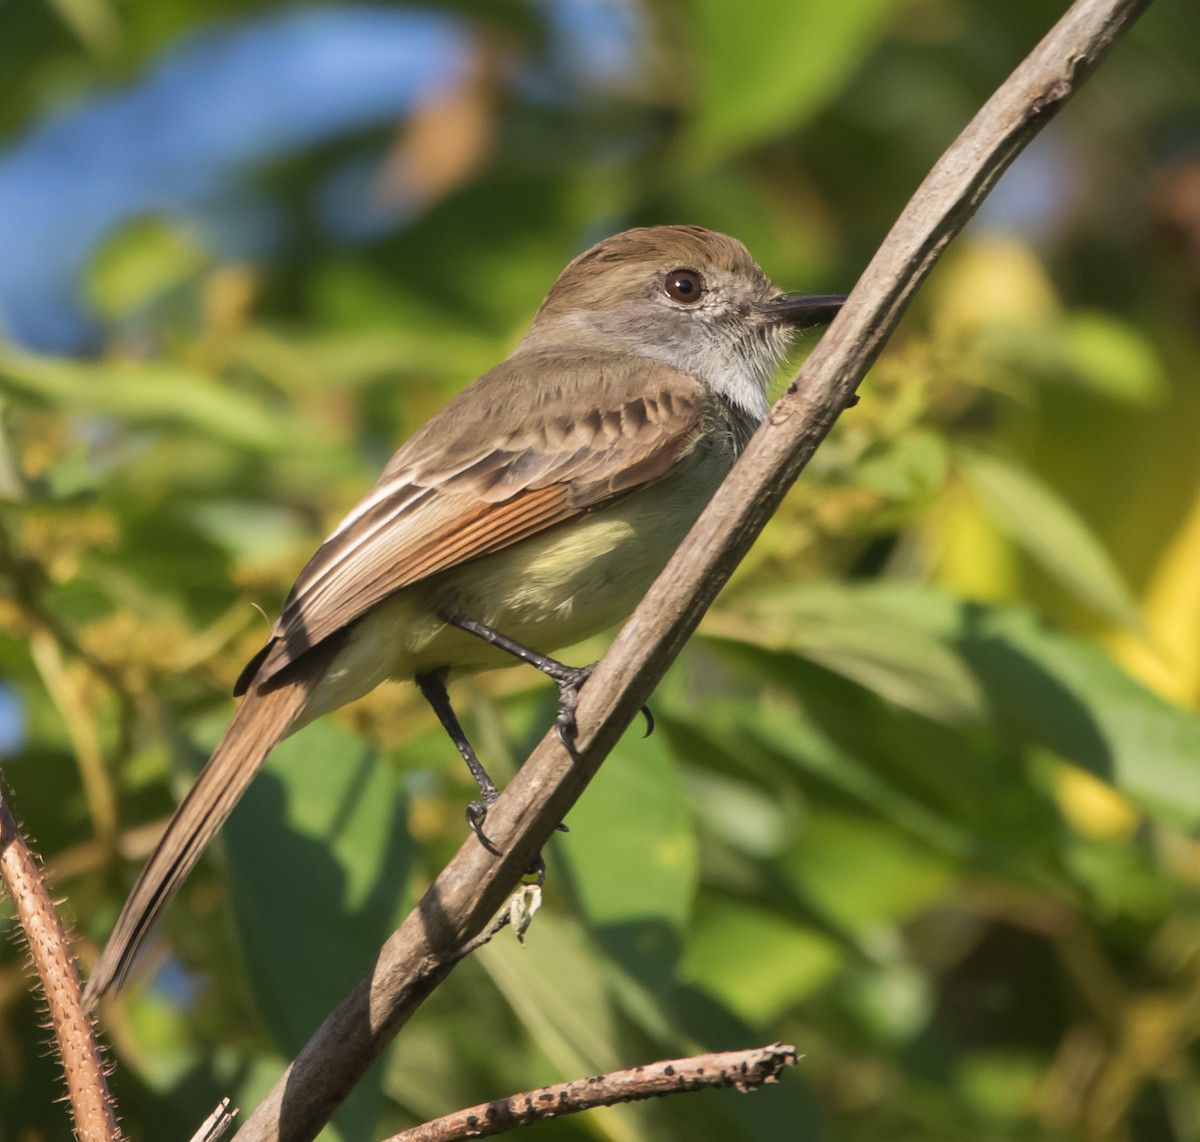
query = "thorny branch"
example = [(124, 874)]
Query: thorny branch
[(75, 1037)]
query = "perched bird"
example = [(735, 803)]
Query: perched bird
[(531, 512)]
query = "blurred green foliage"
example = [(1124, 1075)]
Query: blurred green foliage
[(925, 793)]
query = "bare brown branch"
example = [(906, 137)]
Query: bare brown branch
[(745, 1070), (87, 1089), (472, 887)]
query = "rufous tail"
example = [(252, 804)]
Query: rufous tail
[(261, 721)]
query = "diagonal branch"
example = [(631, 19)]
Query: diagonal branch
[(472, 887)]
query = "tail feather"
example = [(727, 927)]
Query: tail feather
[(261, 721)]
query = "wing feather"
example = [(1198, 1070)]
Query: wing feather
[(455, 492)]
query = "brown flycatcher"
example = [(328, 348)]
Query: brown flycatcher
[(531, 512)]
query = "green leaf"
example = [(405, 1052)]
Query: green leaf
[(318, 864), (770, 66), (72, 477), (833, 625), (909, 467), (154, 394), (1113, 358), (1050, 689), (95, 22), (755, 821), (1053, 534), (828, 741), (443, 1059), (164, 565), (554, 983), (790, 1110), (142, 262), (637, 894), (864, 875), (755, 961), (833, 749)]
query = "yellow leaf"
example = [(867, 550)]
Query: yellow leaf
[(1091, 806), (969, 554), (993, 280), (1168, 660)]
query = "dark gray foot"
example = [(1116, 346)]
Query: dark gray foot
[(569, 680), (433, 686), (538, 869), (476, 815)]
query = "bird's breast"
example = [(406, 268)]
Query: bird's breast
[(566, 584)]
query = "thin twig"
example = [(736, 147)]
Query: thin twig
[(83, 1067), (217, 1124), (98, 790), (421, 953), (48, 641), (745, 1070)]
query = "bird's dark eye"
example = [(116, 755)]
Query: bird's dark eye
[(684, 285)]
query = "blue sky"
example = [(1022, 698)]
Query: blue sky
[(183, 140)]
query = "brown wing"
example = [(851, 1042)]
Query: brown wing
[(463, 487)]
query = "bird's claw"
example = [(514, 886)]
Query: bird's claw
[(476, 815), (538, 870), (565, 732), (570, 681)]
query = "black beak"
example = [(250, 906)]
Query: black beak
[(803, 312)]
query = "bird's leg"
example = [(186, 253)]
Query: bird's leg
[(433, 687), (568, 679)]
